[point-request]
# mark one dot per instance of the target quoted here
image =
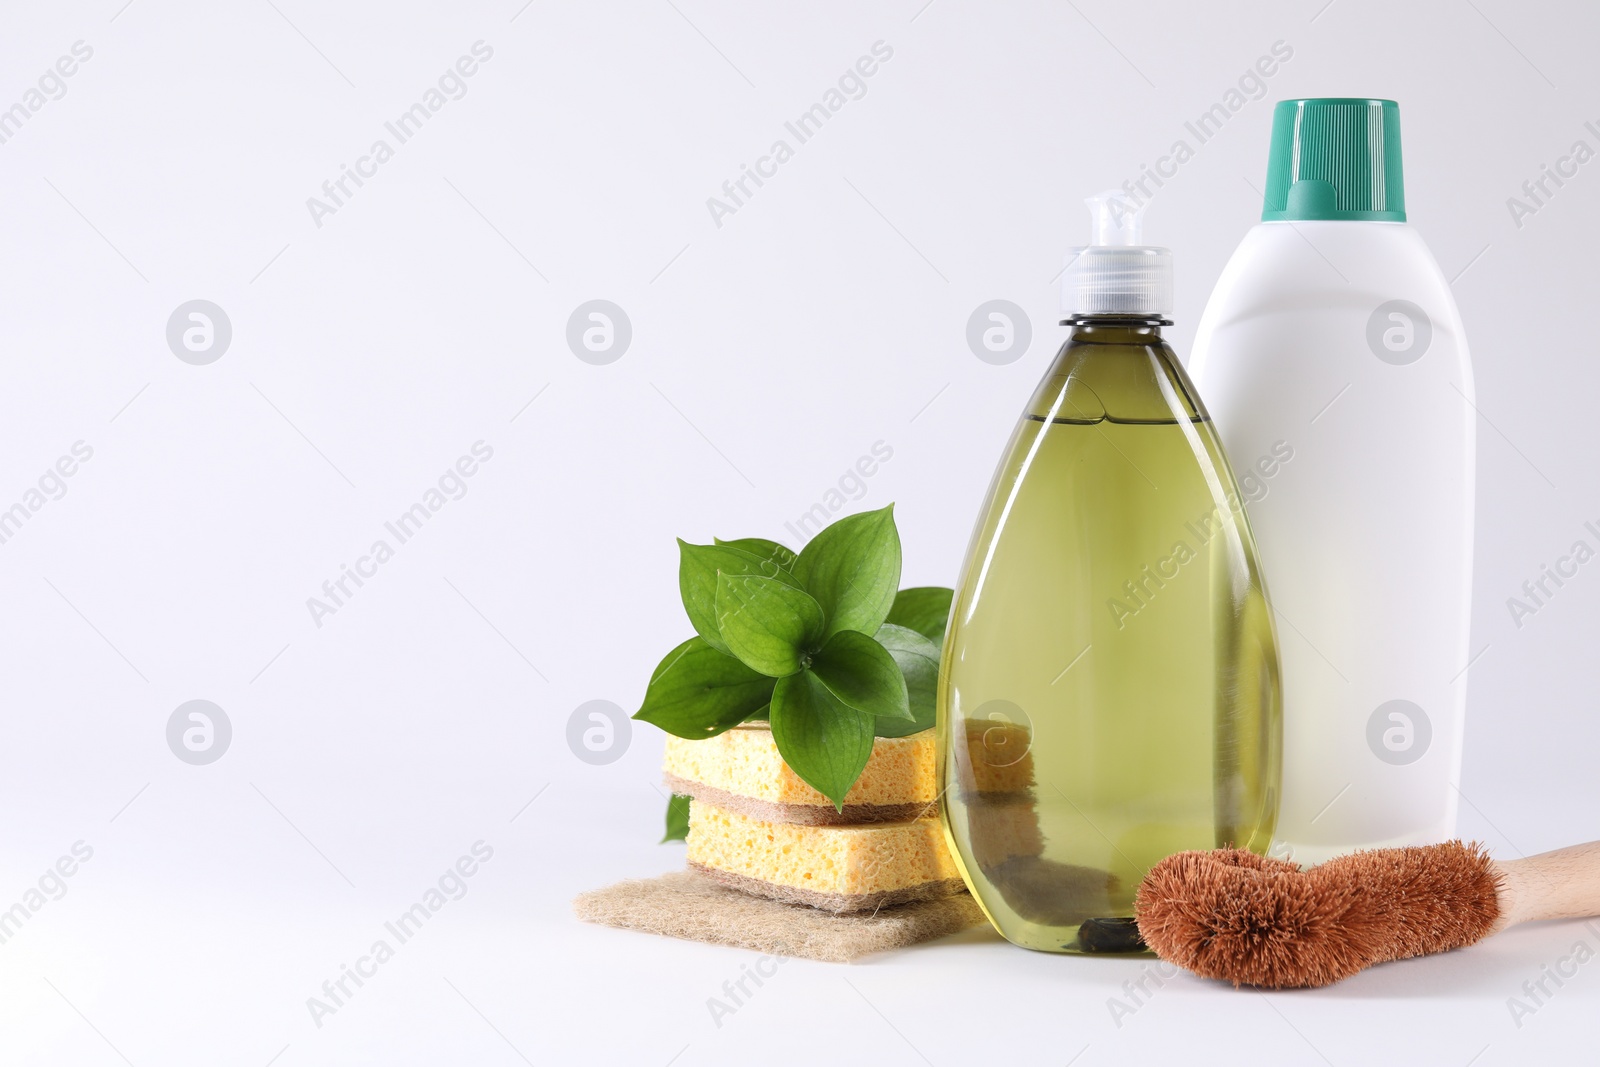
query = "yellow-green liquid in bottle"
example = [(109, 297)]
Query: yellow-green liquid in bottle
[(1109, 692)]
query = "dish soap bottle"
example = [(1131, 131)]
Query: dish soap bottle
[(1332, 333), (1109, 692)]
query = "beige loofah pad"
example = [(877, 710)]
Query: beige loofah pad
[(690, 906)]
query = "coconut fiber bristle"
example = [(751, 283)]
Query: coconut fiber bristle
[(1256, 921)]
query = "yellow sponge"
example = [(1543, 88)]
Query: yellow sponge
[(835, 868), (741, 770)]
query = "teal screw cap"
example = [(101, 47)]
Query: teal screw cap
[(1335, 158)]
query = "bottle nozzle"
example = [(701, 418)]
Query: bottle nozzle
[(1114, 221), (1117, 273)]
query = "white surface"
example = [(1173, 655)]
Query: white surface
[(826, 314), (1364, 527)]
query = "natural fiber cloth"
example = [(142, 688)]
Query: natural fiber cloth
[(690, 906)]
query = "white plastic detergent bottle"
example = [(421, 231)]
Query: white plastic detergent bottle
[(1332, 359)]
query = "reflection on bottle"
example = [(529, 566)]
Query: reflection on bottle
[(997, 795)]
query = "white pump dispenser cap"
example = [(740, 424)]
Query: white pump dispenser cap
[(1116, 275)]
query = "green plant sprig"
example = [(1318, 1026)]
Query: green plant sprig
[(820, 644)]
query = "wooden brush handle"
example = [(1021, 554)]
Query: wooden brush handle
[(1564, 884)]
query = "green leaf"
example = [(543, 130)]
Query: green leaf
[(698, 567), (782, 555), (861, 673), (698, 692), (826, 743), (677, 818), (918, 659), (767, 624), (925, 609), (853, 569)]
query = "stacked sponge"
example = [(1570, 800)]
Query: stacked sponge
[(754, 825)]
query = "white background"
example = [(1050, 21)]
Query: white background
[(768, 354)]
